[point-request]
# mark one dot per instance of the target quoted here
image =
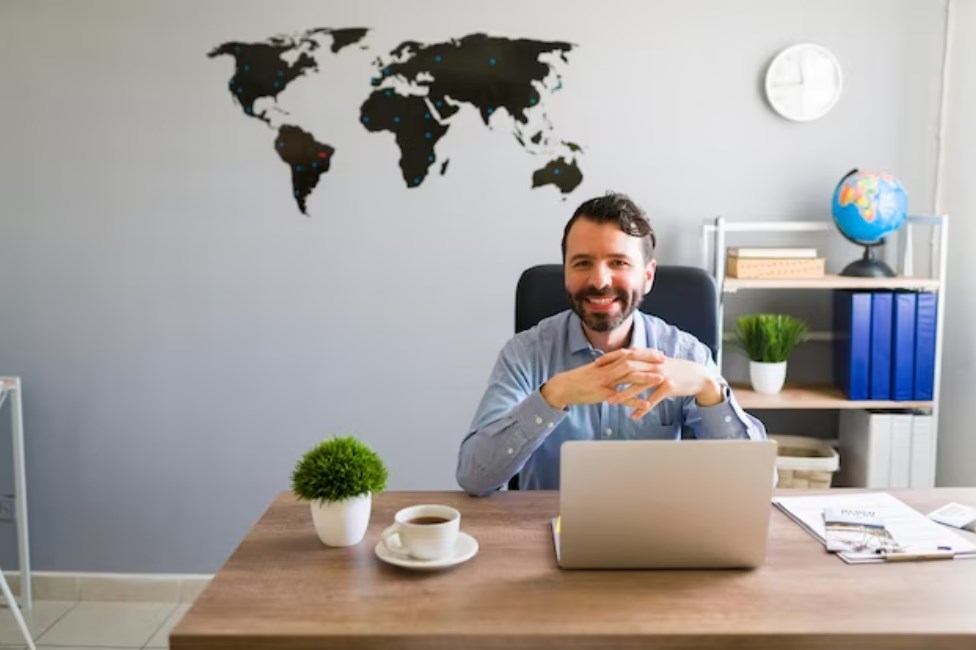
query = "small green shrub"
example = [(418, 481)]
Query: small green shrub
[(337, 469), (770, 338)]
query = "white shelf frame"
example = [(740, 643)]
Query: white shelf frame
[(715, 235), (10, 388)]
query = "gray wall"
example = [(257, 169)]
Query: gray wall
[(957, 443), (184, 334)]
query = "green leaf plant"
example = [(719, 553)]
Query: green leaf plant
[(770, 338), (337, 469)]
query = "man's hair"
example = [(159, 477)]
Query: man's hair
[(619, 210)]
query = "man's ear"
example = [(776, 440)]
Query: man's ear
[(649, 271)]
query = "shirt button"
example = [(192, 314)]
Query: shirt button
[(728, 418), (510, 451), (538, 420), (608, 432), (551, 425)]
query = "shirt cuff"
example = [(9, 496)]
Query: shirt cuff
[(535, 417), (727, 419)]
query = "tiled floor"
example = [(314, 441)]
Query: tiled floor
[(94, 625)]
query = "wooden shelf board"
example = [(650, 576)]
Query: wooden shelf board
[(815, 397), (831, 281)]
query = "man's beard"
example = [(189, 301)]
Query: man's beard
[(599, 322)]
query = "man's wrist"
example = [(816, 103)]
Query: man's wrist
[(711, 394), (551, 394)]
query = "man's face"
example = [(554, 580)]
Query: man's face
[(606, 275)]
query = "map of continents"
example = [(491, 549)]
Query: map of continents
[(417, 90)]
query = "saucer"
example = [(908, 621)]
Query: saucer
[(465, 548)]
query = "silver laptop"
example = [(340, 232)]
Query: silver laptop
[(664, 504)]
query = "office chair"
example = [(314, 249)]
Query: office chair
[(684, 296)]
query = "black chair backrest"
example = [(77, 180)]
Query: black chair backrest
[(684, 296)]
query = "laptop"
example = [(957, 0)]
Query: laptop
[(664, 504)]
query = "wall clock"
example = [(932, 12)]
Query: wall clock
[(803, 82)]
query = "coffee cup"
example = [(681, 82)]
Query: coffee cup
[(425, 532)]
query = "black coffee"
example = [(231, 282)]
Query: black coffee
[(428, 520)]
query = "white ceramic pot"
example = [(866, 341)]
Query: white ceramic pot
[(342, 523), (767, 378)]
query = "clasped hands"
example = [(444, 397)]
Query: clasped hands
[(639, 370)]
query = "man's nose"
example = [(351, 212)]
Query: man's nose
[(600, 277)]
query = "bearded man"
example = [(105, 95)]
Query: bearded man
[(602, 370)]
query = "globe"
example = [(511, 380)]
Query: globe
[(867, 207)]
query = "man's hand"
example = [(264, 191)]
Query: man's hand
[(597, 382), (667, 377)]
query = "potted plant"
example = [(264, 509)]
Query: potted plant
[(339, 477), (769, 340)]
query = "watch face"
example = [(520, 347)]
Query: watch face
[(803, 82)]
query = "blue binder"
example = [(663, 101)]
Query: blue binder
[(925, 322), (852, 342), (903, 347), (880, 363)]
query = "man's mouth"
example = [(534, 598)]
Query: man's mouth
[(600, 304)]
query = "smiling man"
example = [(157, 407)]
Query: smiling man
[(602, 370)]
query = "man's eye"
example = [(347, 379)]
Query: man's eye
[(620, 263), (581, 265)]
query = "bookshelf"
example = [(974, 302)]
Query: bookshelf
[(817, 396), (809, 397), (833, 281)]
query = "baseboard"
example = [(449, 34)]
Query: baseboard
[(145, 587)]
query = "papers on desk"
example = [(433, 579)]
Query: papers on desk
[(956, 515), (914, 532)]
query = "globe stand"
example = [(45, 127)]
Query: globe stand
[(868, 266)]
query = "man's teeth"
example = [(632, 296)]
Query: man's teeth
[(602, 301)]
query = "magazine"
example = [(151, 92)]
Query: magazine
[(857, 530)]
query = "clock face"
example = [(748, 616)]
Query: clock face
[(803, 82)]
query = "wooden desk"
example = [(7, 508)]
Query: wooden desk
[(282, 589)]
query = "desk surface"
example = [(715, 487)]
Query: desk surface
[(283, 589)]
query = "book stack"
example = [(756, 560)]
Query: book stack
[(884, 344), (772, 262)]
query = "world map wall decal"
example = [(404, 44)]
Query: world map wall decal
[(417, 90)]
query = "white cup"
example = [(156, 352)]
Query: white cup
[(426, 532)]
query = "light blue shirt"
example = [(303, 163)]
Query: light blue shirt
[(515, 431)]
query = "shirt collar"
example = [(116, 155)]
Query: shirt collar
[(578, 341)]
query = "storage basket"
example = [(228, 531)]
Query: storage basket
[(804, 462)]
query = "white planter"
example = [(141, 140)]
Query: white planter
[(342, 523), (767, 378)]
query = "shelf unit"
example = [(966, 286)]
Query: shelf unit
[(831, 281), (815, 396), (714, 238), (11, 388)]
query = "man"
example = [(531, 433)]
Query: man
[(602, 370)]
